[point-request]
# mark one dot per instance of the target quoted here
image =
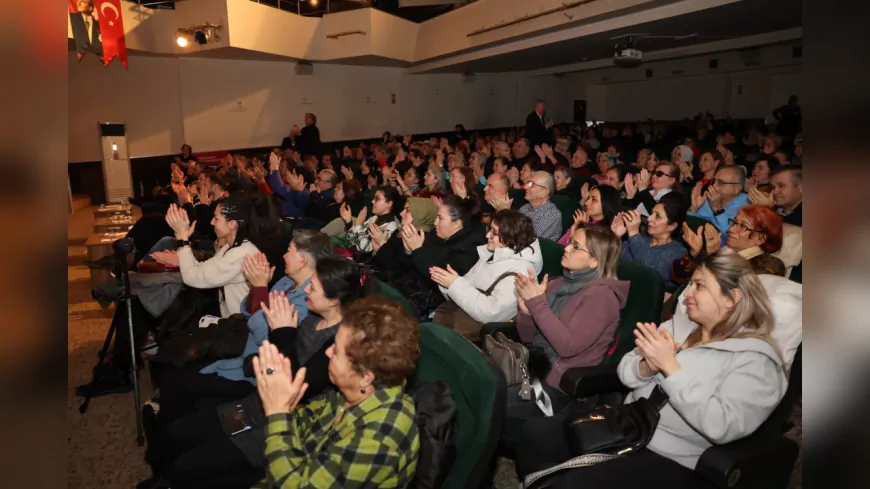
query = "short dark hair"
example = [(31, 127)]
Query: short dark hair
[(797, 173), (676, 207), (621, 171), (533, 165), (515, 230), (315, 244), (385, 340), (717, 156), (772, 162)]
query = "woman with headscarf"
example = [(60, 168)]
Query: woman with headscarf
[(418, 211)]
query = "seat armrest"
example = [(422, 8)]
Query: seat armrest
[(753, 462), (582, 382)]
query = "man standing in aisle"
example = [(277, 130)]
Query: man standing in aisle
[(538, 129)]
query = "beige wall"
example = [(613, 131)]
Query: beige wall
[(146, 97), (167, 101), (683, 87)]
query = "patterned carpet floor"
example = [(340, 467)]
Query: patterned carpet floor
[(102, 450)]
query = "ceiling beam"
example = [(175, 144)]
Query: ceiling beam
[(651, 15), (684, 51)]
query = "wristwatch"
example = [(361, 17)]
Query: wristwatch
[(180, 243)]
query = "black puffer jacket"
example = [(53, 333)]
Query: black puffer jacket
[(459, 251)]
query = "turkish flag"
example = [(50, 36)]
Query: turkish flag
[(112, 31)]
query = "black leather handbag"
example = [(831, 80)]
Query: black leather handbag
[(606, 432), (615, 430)]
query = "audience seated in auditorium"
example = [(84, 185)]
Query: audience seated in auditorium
[(225, 379), (616, 178), (762, 170), (199, 449), (569, 321), (721, 201), (601, 206), (365, 433), (386, 206), (544, 215), (755, 233), (787, 194), (605, 161), (724, 341), (418, 212), (486, 293), (644, 190), (659, 248), (452, 243)]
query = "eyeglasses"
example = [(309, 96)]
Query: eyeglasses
[(531, 183), (732, 222), (490, 229), (574, 246), (660, 174)]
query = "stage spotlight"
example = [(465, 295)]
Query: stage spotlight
[(182, 41), (313, 3), (199, 37)]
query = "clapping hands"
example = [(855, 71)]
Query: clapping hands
[(257, 270), (528, 287), (280, 313), (412, 238)]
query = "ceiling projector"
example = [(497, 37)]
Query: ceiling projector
[(627, 57)]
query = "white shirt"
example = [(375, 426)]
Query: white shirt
[(223, 270), (656, 196), (89, 25)]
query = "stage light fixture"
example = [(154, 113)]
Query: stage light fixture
[(200, 34), (313, 3)]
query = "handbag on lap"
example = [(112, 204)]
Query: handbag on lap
[(606, 432)]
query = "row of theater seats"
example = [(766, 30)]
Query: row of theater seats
[(763, 460)]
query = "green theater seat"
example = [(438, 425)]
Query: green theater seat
[(478, 389)]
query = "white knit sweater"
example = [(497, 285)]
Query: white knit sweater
[(224, 270)]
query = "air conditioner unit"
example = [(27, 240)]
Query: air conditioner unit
[(117, 177), (304, 68)]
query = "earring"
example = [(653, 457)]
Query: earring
[(362, 390)]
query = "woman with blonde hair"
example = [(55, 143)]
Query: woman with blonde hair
[(719, 367), (571, 321)]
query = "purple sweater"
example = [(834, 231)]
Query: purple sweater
[(583, 331)]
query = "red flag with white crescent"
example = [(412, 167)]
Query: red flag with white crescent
[(112, 31)]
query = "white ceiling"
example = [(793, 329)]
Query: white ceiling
[(740, 19)]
